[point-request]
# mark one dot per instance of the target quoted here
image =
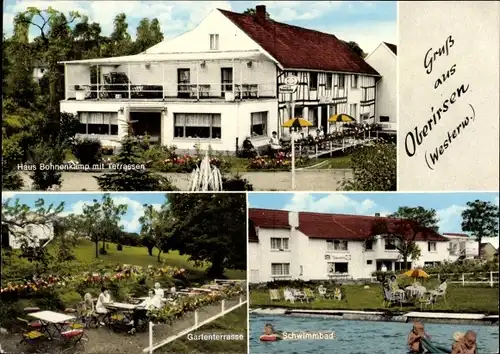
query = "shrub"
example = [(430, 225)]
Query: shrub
[(119, 247), (102, 251), (87, 151), (70, 298), (236, 184), (374, 168)]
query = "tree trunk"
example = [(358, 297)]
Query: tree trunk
[(159, 253), (96, 247), (150, 250), (216, 270), (405, 261)]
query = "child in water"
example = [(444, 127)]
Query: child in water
[(465, 344), (415, 336), (269, 331)]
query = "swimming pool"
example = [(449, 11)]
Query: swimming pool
[(357, 337)]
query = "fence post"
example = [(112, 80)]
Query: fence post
[(491, 279), (150, 337), (241, 298), (439, 278), (195, 318), (463, 279), (222, 305)]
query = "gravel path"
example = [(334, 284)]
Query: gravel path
[(306, 180), (104, 340)]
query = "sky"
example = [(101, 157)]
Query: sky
[(74, 203), (366, 22), (448, 206)]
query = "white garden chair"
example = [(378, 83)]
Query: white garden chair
[(274, 295), (288, 295)]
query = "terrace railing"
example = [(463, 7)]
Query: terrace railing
[(486, 278)]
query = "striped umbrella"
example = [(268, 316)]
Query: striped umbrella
[(344, 118), (297, 123)]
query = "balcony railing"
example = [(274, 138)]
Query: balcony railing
[(191, 91)]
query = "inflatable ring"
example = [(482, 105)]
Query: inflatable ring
[(269, 337)]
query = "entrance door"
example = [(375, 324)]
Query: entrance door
[(324, 118), (226, 75), (183, 83)]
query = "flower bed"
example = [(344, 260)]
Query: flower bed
[(185, 163), (282, 162), (168, 314)]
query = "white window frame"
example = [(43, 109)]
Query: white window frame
[(109, 118), (354, 82), (353, 110), (341, 81), (213, 124), (214, 41), (330, 268), (334, 245), (265, 120), (432, 246), (279, 243), (284, 269), (388, 242)]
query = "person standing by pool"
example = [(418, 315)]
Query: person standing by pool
[(466, 345), (415, 336)]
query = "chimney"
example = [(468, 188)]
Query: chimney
[(377, 215), (260, 12)]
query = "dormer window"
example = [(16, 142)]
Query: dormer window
[(214, 42)]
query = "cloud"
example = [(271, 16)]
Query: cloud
[(368, 35), (333, 203), (129, 221), (286, 11), (450, 218), (8, 195)]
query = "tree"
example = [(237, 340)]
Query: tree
[(132, 179), (403, 227), (374, 168), (17, 217), (111, 214), (355, 48), (157, 228), (481, 220), (148, 34), (251, 11), (211, 227)]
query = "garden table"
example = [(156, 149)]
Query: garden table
[(122, 307), (55, 319)]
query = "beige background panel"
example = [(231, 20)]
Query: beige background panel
[(460, 151)]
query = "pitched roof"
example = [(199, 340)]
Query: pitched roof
[(455, 234), (328, 226), (300, 48), (352, 227), (392, 47)]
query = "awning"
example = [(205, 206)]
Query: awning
[(255, 55)]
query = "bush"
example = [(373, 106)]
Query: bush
[(236, 184), (87, 151), (119, 247), (70, 298), (102, 251), (374, 168)]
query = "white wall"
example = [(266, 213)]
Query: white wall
[(383, 60), (38, 236), (198, 39)]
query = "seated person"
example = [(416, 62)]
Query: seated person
[(152, 302), (248, 148), (274, 143), (159, 291), (393, 285), (415, 336), (104, 298), (337, 294), (465, 344)]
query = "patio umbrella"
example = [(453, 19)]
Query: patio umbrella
[(416, 273), (295, 123), (343, 118)]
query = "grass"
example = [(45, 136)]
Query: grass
[(85, 252), (458, 299), (234, 323)]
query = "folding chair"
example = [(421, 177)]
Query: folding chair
[(30, 334)]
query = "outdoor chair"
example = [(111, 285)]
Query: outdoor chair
[(309, 295), (30, 334), (337, 294), (390, 298), (299, 295), (274, 294), (425, 300), (78, 323), (322, 292), (288, 295), (439, 292)]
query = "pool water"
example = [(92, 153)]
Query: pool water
[(357, 337)]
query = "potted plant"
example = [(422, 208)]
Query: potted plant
[(80, 93)]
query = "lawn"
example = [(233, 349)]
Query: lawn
[(458, 299), (233, 323), (85, 252)]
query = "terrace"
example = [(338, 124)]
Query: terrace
[(217, 76)]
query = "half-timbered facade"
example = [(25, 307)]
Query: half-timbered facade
[(220, 83)]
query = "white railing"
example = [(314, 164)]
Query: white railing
[(197, 91), (388, 126), (490, 278), (197, 324)]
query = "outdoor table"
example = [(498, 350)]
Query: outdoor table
[(415, 290), (56, 319), (124, 308)]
